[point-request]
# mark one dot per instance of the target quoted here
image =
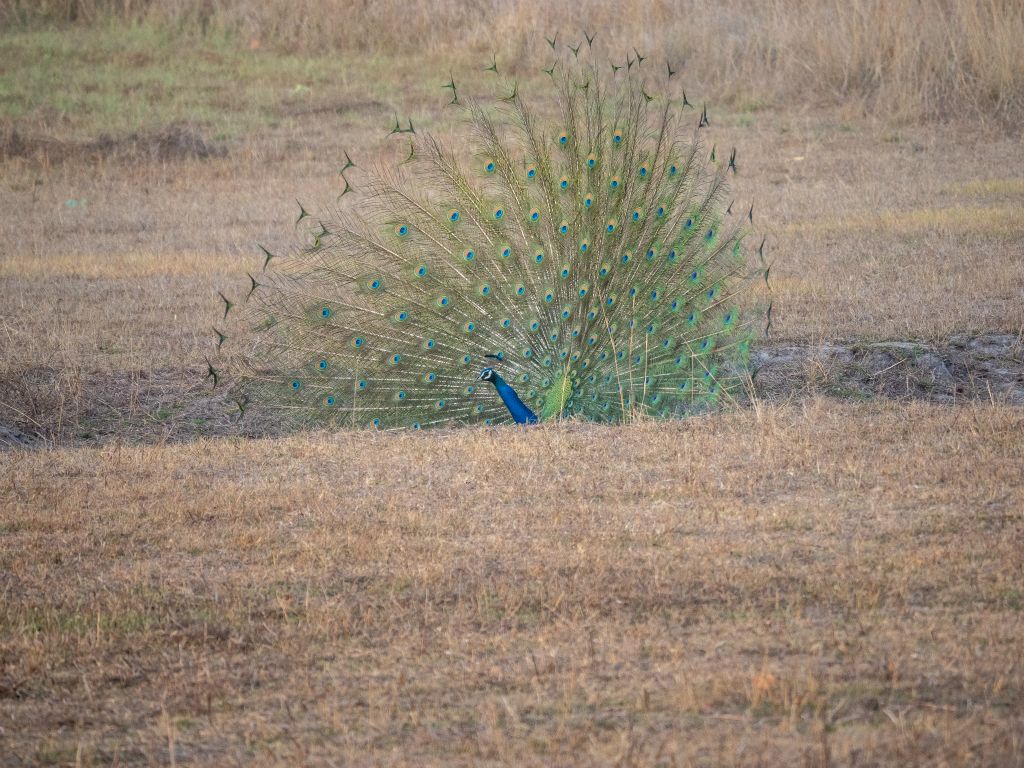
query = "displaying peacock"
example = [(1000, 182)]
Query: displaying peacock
[(582, 268)]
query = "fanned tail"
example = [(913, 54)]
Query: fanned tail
[(590, 262)]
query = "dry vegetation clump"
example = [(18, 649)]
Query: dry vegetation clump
[(910, 58), (817, 585)]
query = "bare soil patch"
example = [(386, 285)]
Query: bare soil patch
[(988, 367), (172, 143)]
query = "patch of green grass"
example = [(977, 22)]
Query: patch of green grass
[(62, 753), (80, 83), (166, 412), (1012, 599)]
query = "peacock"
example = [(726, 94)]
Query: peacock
[(584, 267)]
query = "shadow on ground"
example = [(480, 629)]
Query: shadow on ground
[(45, 406)]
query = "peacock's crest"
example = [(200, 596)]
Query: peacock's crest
[(584, 267)]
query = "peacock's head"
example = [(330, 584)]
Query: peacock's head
[(489, 374)]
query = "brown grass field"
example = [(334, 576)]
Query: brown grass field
[(811, 579)]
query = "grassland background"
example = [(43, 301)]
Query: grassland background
[(813, 580), (904, 58)]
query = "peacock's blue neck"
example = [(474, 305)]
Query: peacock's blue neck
[(521, 414)]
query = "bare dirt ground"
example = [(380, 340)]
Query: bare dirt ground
[(830, 576)]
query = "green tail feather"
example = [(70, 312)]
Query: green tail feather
[(593, 257)]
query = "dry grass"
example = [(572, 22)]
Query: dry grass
[(824, 585), (910, 58), (815, 583)]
